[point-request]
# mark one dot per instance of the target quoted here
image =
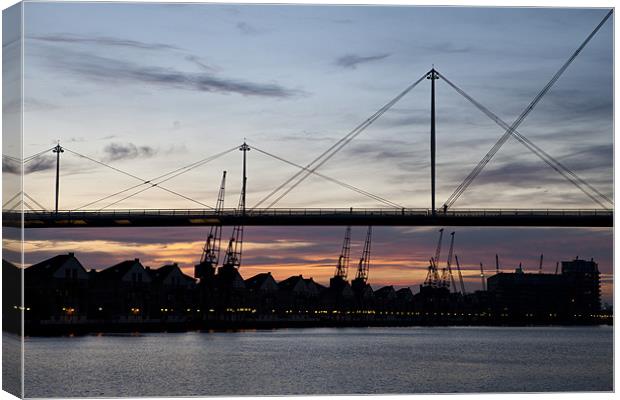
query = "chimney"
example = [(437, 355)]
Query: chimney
[(71, 254), (136, 259)]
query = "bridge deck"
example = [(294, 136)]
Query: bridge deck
[(311, 216)]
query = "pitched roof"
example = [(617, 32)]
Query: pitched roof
[(161, 273), (385, 292), (258, 280), (404, 293), (289, 283), (51, 265), (119, 270), (311, 282)]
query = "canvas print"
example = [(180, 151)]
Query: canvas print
[(249, 199)]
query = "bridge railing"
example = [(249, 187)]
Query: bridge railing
[(197, 213)]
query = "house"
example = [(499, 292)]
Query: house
[(404, 299), (56, 289), (298, 294), (230, 290), (364, 295), (262, 291), (122, 293), (173, 294), (385, 297), (338, 295)]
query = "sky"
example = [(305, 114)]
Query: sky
[(149, 88)]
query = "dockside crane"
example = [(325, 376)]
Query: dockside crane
[(232, 258), (432, 277), (211, 250), (447, 278), (342, 268), (540, 264), (364, 264), (458, 268)]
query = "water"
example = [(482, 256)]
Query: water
[(323, 361)]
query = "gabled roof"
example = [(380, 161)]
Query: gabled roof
[(257, 281), (310, 282), (119, 270), (313, 287), (385, 292), (289, 283), (160, 274), (228, 277), (51, 265)]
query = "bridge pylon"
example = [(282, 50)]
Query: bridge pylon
[(433, 76)]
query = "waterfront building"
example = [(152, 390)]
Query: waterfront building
[(121, 292), (56, 290), (582, 280), (574, 293), (297, 293), (262, 291), (404, 299), (173, 294), (385, 297)]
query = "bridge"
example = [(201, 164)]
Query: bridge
[(23, 209), (314, 216)]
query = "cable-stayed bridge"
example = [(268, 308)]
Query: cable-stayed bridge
[(103, 212)]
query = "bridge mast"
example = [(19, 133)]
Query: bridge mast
[(244, 148), (58, 149), (433, 76)]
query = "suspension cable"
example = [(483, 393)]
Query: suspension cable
[(336, 147), (343, 184), (181, 171), (537, 150), (35, 202), (26, 159), (150, 182), (15, 196), (32, 157), (485, 160)]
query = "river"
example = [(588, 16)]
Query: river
[(322, 361)]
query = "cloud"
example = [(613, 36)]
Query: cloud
[(120, 151), (351, 61), (43, 163), (248, 29), (109, 70), (9, 166), (103, 41), (194, 59), (31, 104), (447, 47)]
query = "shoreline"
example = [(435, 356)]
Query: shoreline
[(69, 329)]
